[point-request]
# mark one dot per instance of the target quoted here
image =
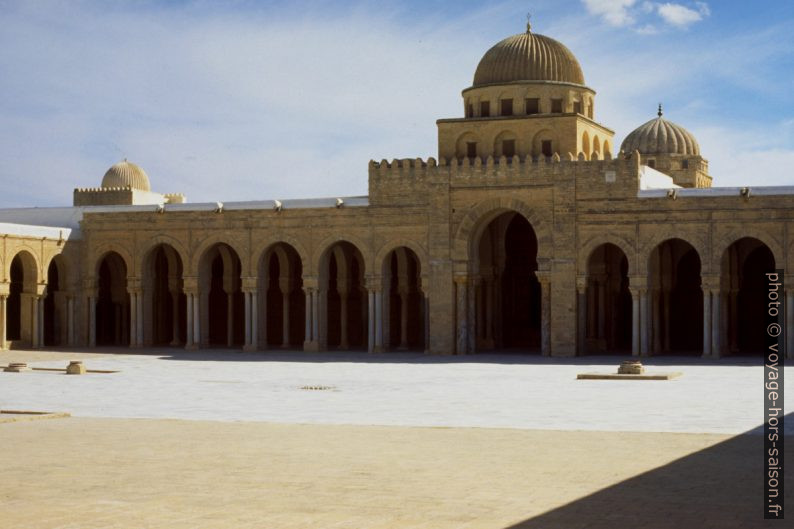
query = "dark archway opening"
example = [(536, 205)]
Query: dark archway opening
[(508, 295), (746, 263), (608, 302), (405, 301), (676, 299), (112, 305), (346, 308)]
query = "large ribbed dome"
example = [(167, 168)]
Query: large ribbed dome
[(659, 136), (126, 174), (528, 57)]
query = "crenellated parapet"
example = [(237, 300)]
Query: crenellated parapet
[(401, 180)]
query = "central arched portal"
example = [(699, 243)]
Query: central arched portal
[(507, 291)]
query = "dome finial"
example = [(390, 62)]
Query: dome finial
[(529, 22), (659, 112)]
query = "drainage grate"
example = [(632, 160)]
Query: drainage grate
[(318, 388)]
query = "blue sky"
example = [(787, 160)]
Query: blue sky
[(258, 100)]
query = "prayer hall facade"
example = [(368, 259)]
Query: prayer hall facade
[(532, 232)]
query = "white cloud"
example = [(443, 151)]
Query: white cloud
[(641, 17), (615, 12), (679, 15)]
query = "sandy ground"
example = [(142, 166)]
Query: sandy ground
[(107, 473)]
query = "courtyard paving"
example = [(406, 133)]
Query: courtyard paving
[(395, 389)]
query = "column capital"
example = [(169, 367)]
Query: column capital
[(581, 284), (190, 284), (638, 281), (5, 288), (134, 284), (544, 276), (249, 284), (310, 282), (461, 279), (635, 291), (710, 282), (373, 283)]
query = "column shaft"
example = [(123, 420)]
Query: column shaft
[(716, 324), (139, 307), (247, 321), (635, 322), (644, 306), (189, 343), (371, 320), (285, 321), (175, 318), (254, 320), (379, 321)]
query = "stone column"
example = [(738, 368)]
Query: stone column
[(462, 310), (716, 323), (379, 294), (635, 321), (189, 343), (285, 320), (247, 320), (706, 323), (254, 320), (471, 319), (370, 320), (316, 318), (139, 308), (581, 315), (175, 318), (34, 321), (133, 319), (644, 338), (544, 278), (426, 315), (307, 319), (40, 319), (92, 320)]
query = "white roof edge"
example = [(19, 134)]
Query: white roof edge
[(719, 191), (29, 230)]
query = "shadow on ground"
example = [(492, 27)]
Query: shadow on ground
[(719, 487)]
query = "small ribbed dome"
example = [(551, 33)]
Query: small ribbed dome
[(528, 57), (659, 136), (126, 174)]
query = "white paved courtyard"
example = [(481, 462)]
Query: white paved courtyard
[(406, 390)]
